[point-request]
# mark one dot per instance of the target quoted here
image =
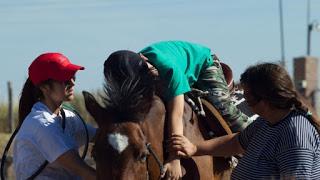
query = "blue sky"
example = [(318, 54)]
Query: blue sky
[(242, 33)]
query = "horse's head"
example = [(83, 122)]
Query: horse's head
[(120, 149), (121, 142)]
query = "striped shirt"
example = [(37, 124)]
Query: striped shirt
[(289, 148)]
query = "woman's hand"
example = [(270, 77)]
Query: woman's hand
[(182, 146)]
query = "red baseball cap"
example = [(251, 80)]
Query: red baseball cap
[(54, 66)]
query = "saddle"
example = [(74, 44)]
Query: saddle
[(228, 75), (227, 72), (210, 120), (211, 123)]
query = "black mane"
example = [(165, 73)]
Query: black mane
[(128, 88)]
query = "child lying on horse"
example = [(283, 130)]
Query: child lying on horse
[(181, 65)]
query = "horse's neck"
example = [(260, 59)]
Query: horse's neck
[(154, 123)]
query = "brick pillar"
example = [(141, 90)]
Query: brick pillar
[(306, 77)]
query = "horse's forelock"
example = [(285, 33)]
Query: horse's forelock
[(127, 98)]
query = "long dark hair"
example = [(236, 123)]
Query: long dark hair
[(272, 82), (30, 94), (129, 85)]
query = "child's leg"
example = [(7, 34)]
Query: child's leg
[(212, 80)]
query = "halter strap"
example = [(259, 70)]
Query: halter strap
[(154, 155)]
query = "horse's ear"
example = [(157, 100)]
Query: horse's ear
[(93, 107)]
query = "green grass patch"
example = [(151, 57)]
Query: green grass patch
[(4, 138)]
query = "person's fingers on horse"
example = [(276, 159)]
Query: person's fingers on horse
[(164, 171), (185, 148), (177, 147), (168, 144), (182, 154), (177, 140), (179, 175), (174, 143), (176, 135), (181, 145), (171, 150), (172, 140), (175, 154), (168, 174), (174, 146), (173, 176)]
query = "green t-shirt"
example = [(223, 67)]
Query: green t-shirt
[(179, 64)]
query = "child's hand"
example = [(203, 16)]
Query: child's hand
[(172, 170)]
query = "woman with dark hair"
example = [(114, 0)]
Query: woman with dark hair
[(283, 144), (46, 145)]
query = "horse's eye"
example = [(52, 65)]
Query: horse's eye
[(143, 157)]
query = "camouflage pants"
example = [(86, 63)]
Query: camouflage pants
[(213, 81)]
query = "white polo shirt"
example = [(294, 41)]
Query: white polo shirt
[(41, 137)]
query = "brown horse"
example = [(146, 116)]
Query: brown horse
[(128, 149), (130, 142)]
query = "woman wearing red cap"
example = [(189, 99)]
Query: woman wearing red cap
[(47, 143)]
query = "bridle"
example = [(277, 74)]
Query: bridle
[(154, 155)]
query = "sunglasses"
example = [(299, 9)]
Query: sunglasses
[(70, 82)]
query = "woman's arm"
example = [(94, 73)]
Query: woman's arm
[(224, 146), (71, 161)]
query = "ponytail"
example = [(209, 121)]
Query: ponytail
[(30, 94), (302, 107)]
